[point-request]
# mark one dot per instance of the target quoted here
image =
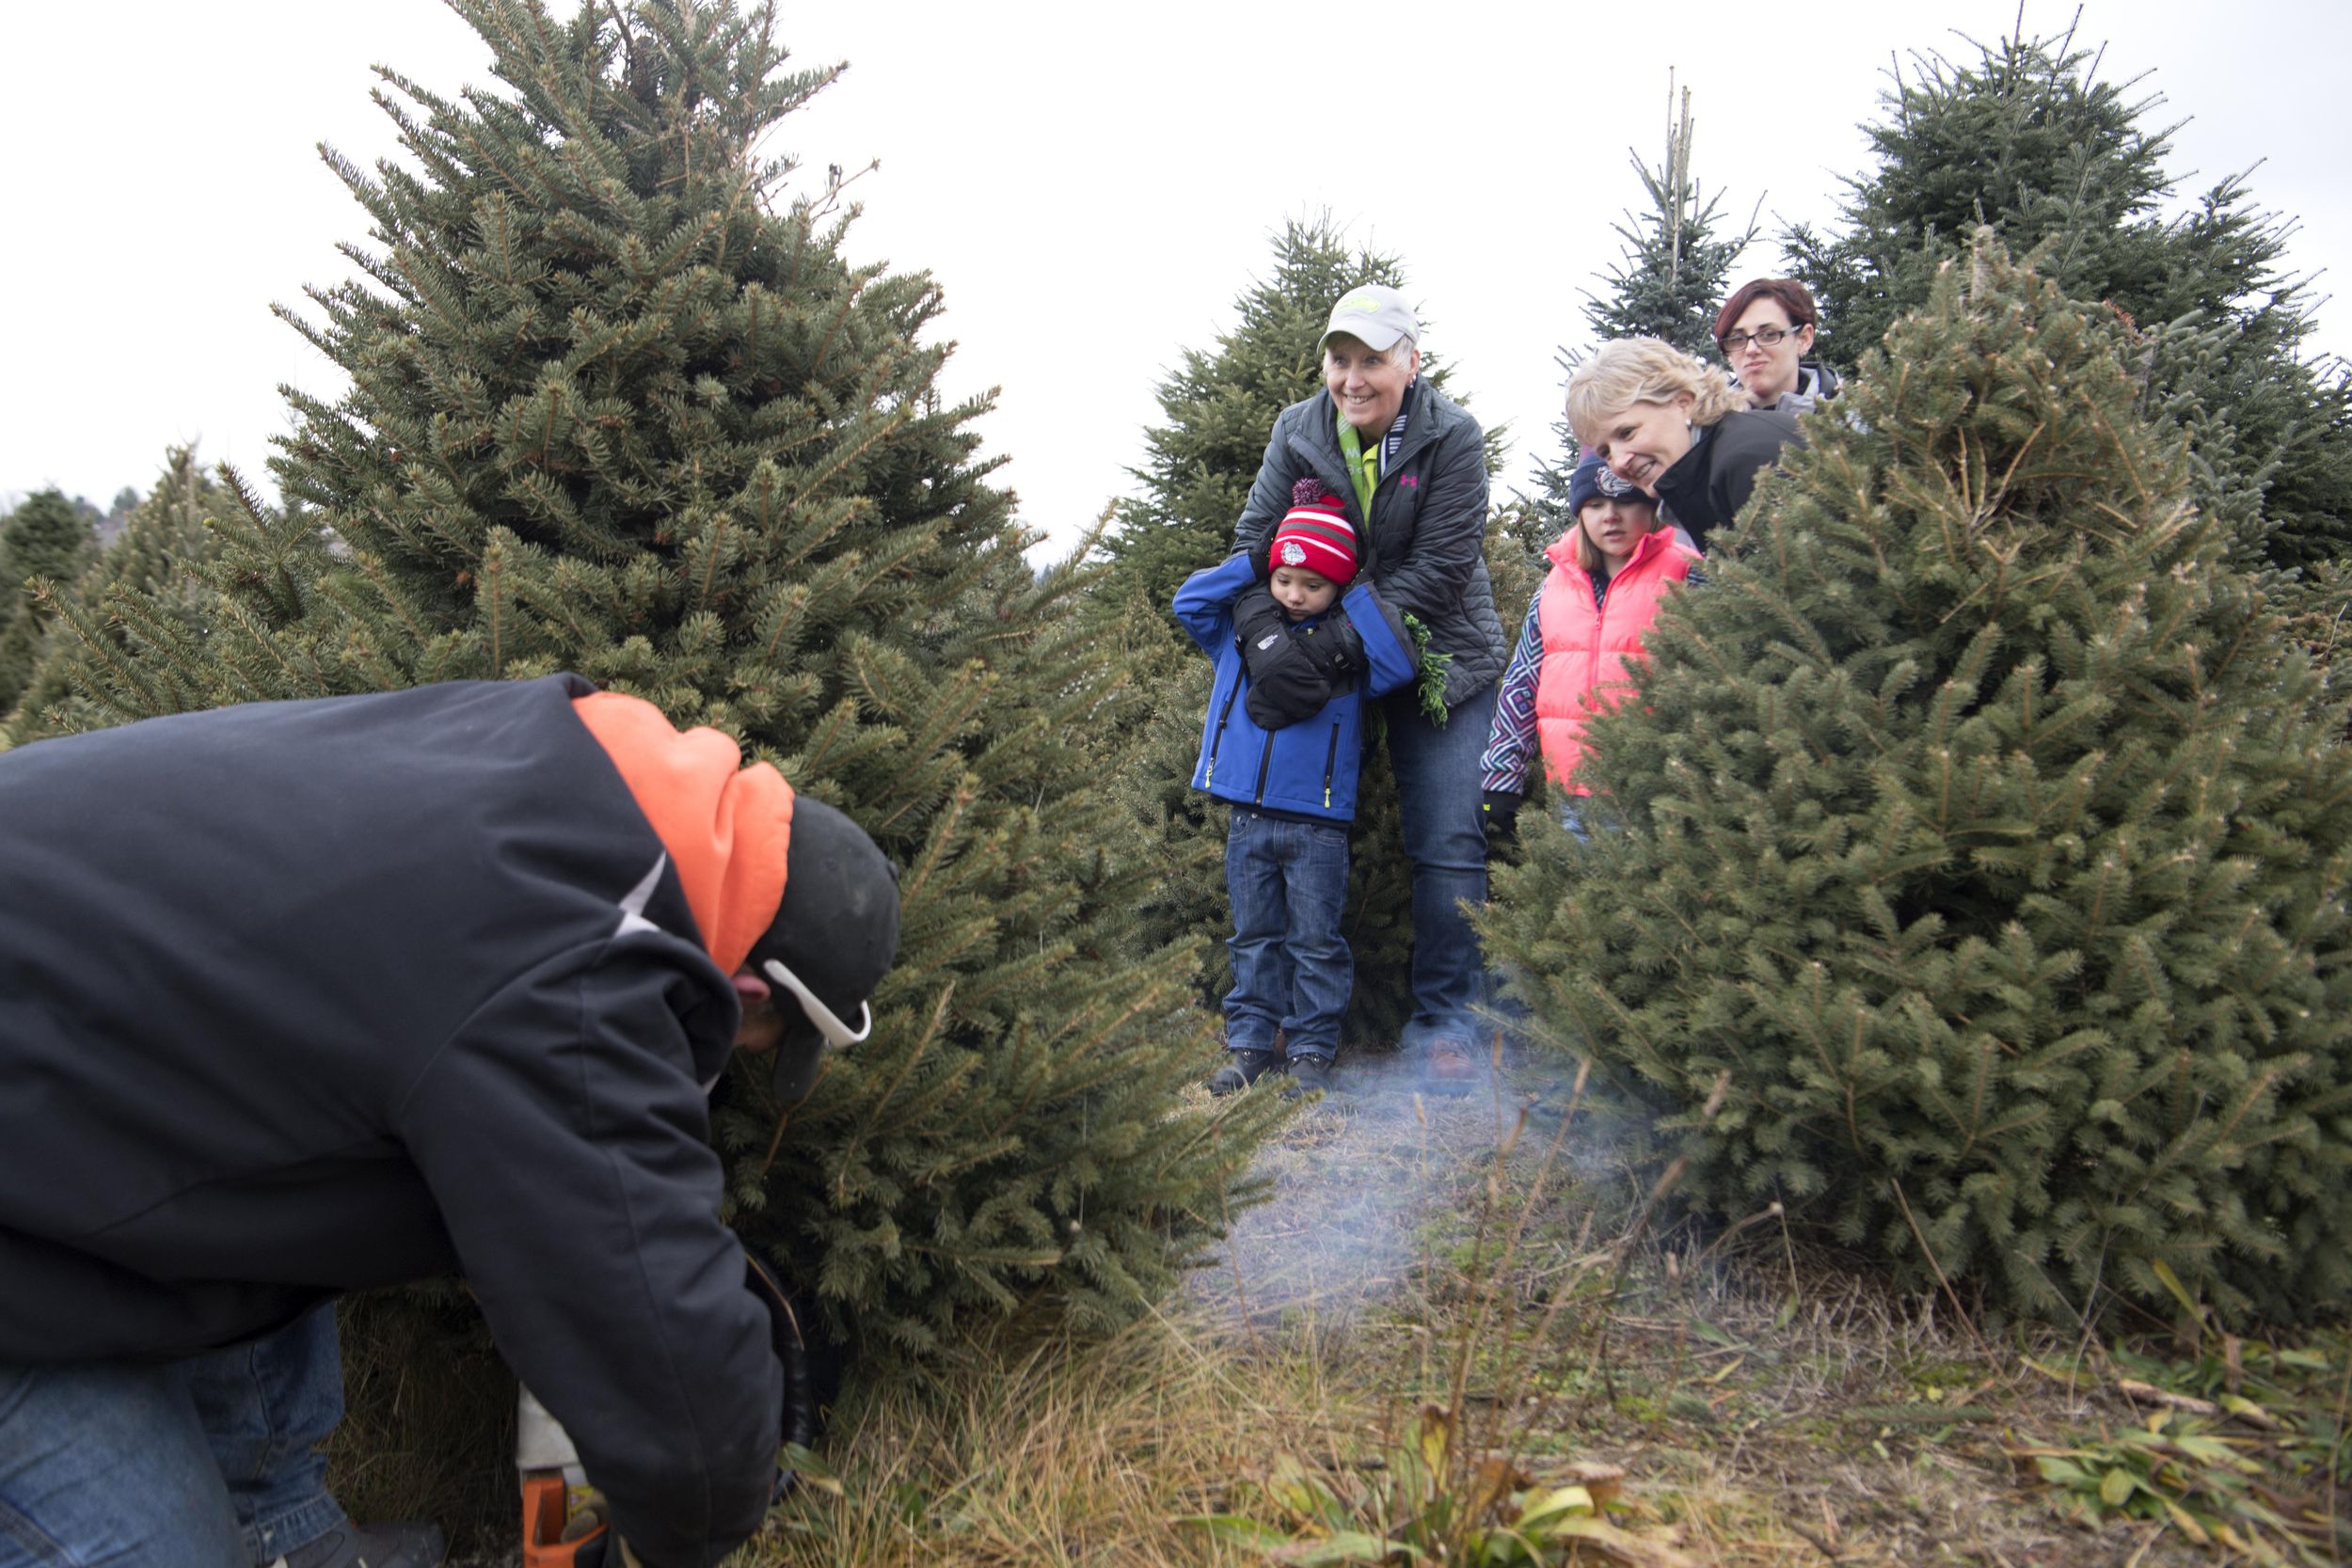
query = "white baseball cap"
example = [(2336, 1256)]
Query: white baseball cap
[(1375, 315)]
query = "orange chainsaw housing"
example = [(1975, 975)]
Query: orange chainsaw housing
[(543, 1545)]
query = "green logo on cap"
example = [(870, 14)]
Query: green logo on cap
[(1363, 303)]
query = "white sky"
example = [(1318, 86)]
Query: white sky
[(1092, 184)]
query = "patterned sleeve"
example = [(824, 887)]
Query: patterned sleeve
[(1512, 740)]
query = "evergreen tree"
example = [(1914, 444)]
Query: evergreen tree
[(1983, 845), (1672, 276), (1221, 408), (159, 542), (2026, 140), (1675, 269), (617, 404), (45, 541)]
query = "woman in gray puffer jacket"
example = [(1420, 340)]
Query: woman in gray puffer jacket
[(1411, 464)]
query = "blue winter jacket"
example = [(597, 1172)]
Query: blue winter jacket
[(1309, 767)]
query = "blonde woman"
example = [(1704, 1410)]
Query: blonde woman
[(1677, 428)]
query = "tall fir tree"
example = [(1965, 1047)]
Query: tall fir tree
[(1220, 408), (46, 541), (150, 564), (620, 404), (1978, 837), (1671, 278), (2026, 140), (1676, 267)]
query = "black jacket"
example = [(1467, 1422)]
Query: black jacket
[(299, 998), (1710, 483), (1428, 532)]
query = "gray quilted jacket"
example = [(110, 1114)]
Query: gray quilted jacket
[(1424, 549)]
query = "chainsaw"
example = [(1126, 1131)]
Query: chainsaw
[(565, 1523)]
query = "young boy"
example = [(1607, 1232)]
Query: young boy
[(1280, 744)]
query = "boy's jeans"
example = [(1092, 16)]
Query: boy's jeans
[(1290, 966), (210, 1461), (1436, 788)]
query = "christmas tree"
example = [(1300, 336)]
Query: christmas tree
[(1220, 409), (150, 563), (621, 403), (46, 541), (2027, 139), (1671, 280), (1977, 836), (1676, 268)]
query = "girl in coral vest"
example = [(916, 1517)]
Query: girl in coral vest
[(1610, 572)]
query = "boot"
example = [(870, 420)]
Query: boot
[(1241, 1069), (1310, 1074)]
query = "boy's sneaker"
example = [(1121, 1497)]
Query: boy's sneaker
[(1310, 1074), (348, 1545), (1450, 1069), (1241, 1069)]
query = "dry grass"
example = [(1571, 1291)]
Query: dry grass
[(1770, 1406)]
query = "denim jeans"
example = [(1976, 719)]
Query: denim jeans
[(207, 1462), (1290, 966), (1437, 786)]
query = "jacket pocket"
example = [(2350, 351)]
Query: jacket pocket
[(1217, 736), (1331, 763)]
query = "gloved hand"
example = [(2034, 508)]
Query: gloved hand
[(804, 1418), (1336, 648), (1284, 685), (1262, 557), (1499, 814)]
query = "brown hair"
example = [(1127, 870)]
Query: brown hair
[(1791, 295), (1645, 370)]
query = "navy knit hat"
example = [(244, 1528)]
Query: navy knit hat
[(1593, 480)]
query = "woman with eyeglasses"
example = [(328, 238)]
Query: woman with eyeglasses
[(1677, 428), (1765, 330)]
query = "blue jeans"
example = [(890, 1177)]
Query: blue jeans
[(1290, 966), (1437, 786), (207, 1462)]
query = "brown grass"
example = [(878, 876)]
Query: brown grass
[(1770, 1405)]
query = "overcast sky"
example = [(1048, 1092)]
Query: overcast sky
[(1091, 185)]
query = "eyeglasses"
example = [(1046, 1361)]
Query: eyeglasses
[(1770, 336), (836, 1033)]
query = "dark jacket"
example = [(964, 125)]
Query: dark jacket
[(300, 998), (1308, 768), (1710, 483), (1428, 530)]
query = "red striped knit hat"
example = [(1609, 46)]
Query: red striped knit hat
[(1314, 535)]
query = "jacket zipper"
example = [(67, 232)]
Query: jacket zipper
[(1265, 760), (1217, 741), (1330, 760)]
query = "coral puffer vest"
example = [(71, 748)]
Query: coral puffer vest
[(1587, 646)]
